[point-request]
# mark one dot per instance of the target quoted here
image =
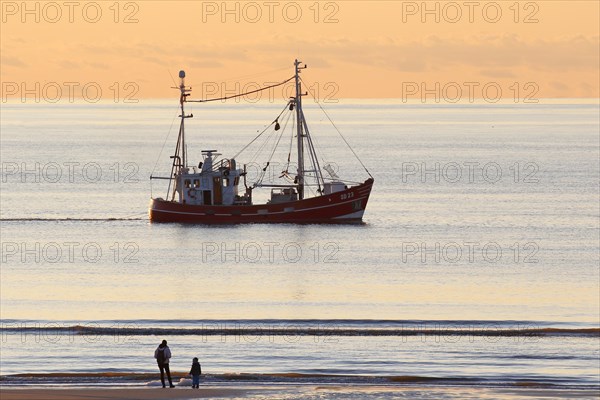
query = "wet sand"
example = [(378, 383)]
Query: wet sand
[(295, 391), (118, 393)]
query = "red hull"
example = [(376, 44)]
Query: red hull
[(345, 206)]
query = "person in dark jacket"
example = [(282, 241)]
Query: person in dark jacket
[(195, 372), (162, 355)]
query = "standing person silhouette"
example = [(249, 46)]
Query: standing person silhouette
[(195, 372), (162, 355)]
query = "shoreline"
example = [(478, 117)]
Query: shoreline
[(291, 391), (258, 381)]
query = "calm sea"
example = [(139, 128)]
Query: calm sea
[(477, 262)]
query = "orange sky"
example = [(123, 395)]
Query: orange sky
[(361, 48)]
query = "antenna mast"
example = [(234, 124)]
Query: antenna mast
[(182, 99), (180, 157), (300, 132)]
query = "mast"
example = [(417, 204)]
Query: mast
[(180, 157), (299, 133), (182, 127)]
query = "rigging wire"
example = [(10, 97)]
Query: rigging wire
[(313, 155), (280, 136), (317, 145), (343, 138), (236, 78), (263, 145), (241, 94), (257, 136), (285, 124), (165, 141), (287, 166), (173, 79), (262, 175)]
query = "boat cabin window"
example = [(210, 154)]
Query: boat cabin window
[(186, 183), (196, 183), (225, 182)]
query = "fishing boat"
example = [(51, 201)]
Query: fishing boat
[(211, 192)]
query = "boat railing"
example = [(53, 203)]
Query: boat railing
[(222, 164)]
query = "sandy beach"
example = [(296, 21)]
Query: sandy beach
[(120, 393), (297, 392)]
